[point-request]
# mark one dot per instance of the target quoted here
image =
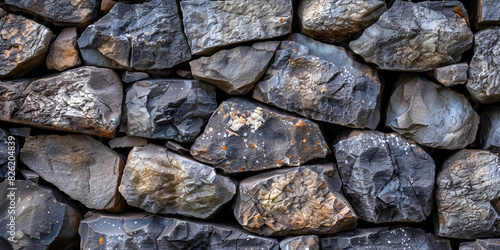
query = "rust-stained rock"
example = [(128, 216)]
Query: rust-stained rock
[(63, 53)]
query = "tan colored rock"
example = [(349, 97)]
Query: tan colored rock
[(63, 53)]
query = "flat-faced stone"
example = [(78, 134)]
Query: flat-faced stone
[(63, 52), (310, 242), (127, 142), (131, 76), (487, 13), (451, 75), (489, 131)]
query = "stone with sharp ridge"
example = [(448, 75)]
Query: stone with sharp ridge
[(63, 52)]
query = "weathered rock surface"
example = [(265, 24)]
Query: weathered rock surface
[(127, 142), (243, 135), (323, 82), (416, 36), (481, 244), (487, 13), (484, 72), (489, 132), (78, 165), (145, 36), (300, 200), (385, 177), (452, 74), (43, 218), (385, 238), (145, 231), (30, 175), (336, 20), (63, 53), (169, 108), (212, 24), (9, 149), (130, 76), (235, 71), (86, 100), (161, 181), (468, 195), (23, 46), (23, 131), (309, 242), (430, 114)]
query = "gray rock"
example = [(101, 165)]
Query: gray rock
[(385, 177), (235, 71), (23, 132), (468, 195), (489, 132), (145, 231), (145, 36), (452, 74), (176, 147), (43, 218), (161, 181), (309, 242), (169, 108), (336, 20), (63, 52), (487, 13), (385, 238), (9, 149), (30, 175), (484, 72), (127, 142), (212, 24), (130, 76), (78, 165), (300, 200), (430, 114), (24, 47), (481, 244), (323, 82), (243, 135), (416, 36)]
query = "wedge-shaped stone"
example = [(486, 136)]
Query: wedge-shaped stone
[(63, 53)]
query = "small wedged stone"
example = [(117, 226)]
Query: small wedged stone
[(245, 135), (489, 131), (79, 166), (487, 13), (452, 74), (63, 53), (23, 131), (9, 149), (131, 76), (484, 72), (386, 178), (127, 142), (430, 114), (82, 100), (169, 108), (468, 195), (300, 200), (146, 231), (309, 242), (333, 21), (235, 71), (146, 36), (30, 175), (161, 181), (322, 82), (481, 244), (43, 217), (416, 36), (209, 25)]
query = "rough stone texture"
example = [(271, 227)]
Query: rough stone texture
[(9, 148), (145, 231), (487, 13), (323, 82), (484, 72), (336, 20), (430, 114), (86, 100), (385, 177), (385, 238), (212, 24), (78, 165), (145, 36), (176, 147), (169, 108), (23, 46), (235, 71), (30, 175), (300, 200), (161, 181), (309, 242), (127, 142), (43, 218), (243, 135), (481, 244), (416, 36), (489, 132), (468, 195), (130, 76), (452, 74), (63, 53)]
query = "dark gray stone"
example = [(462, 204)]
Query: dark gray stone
[(169, 108), (9, 149), (309, 242), (468, 195), (322, 82), (416, 36), (386, 178), (489, 132), (487, 13), (130, 76), (430, 114), (145, 36), (243, 135), (23, 132), (176, 147), (30, 175), (452, 74), (481, 244), (127, 142)]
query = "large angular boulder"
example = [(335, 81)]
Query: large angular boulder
[(300, 200), (309, 242), (212, 24), (146, 36), (487, 13), (430, 114), (86, 100), (63, 53), (334, 21), (78, 165), (385, 177), (322, 82), (416, 36), (243, 135), (489, 132), (9, 149), (168, 108)]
